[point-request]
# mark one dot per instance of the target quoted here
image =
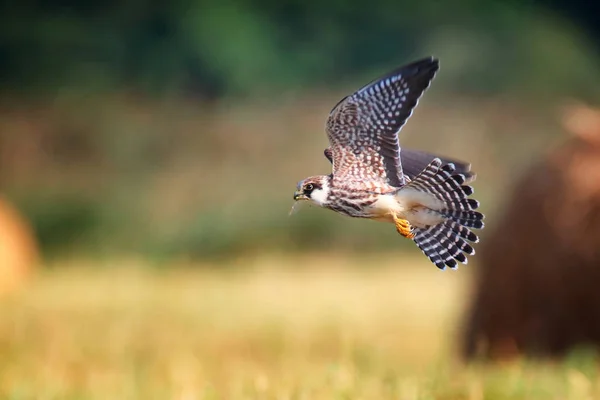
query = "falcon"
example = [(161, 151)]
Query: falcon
[(425, 196)]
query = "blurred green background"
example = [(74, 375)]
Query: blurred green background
[(179, 129)]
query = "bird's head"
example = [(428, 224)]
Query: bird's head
[(314, 188)]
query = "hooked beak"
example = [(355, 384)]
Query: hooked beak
[(299, 195)]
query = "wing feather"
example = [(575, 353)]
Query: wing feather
[(363, 127)]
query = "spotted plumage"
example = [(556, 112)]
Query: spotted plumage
[(425, 196)]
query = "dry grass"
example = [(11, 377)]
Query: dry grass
[(260, 332)]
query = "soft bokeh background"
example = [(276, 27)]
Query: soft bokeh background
[(152, 148)]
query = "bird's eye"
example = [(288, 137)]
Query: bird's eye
[(309, 187)]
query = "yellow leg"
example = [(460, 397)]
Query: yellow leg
[(403, 227)]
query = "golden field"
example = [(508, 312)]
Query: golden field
[(280, 327)]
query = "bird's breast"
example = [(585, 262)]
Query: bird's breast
[(384, 207)]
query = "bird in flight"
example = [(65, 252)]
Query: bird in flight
[(425, 196)]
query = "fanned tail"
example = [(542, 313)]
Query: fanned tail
[(446, 244)]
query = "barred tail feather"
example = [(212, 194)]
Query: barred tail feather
[(470, 219), (440, 182), (443, 245), (446, 244), (465, 233)]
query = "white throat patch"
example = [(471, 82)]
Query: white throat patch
[(319, 196)]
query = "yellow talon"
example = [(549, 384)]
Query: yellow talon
[(403, 227)]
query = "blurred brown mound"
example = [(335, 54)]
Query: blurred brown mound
[(537, 291), (18, 248)]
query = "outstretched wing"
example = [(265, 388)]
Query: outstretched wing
[(363, 127)]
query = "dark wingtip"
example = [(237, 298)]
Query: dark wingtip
[(425, 66), (424, 69), (425, 63)]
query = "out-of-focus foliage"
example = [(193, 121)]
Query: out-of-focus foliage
[(182, 127), (216, 47)]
